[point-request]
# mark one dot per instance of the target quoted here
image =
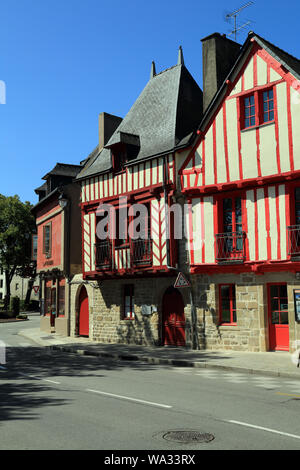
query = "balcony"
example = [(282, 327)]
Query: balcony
[(136, 255), (141, 252), (294, 241), (103, 255), (231, 247)]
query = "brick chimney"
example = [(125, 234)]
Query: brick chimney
[(108, 123), (218, 57)]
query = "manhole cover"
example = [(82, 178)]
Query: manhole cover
[(188, 436)]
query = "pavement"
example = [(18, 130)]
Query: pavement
[(278, 364)]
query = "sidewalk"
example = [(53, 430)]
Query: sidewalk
[(279, 364)]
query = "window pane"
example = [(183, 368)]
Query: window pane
[(252, 99), (271, 115), (252, 121), (283, 292), (226, 315), (275, 318), (284, 318)]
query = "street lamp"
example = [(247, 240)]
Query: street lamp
[(63, 201)]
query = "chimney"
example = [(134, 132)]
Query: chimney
[(108, 123), (218, 57)]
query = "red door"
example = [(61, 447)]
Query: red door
[(173, 318), (83, 328), (278, 317)]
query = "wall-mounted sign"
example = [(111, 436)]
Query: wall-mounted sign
[(181, 282), (146, 310), (297, 304)]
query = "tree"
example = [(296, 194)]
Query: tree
[(17, 225)]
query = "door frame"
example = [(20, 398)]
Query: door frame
[(82, 289), (172, 289), (272, 347)]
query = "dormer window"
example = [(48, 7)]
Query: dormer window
[(119, 158)]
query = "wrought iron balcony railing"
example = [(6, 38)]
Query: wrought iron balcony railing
[(139, 255), (231, 247), (141, 252), (294, 240), (103, 255)]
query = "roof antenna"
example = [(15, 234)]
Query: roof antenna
[(153, 70), (234, 15), (180, 57)]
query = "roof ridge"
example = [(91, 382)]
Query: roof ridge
[(277, 47)]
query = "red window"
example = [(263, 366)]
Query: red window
[(128, 313), (249, 111), (268, 106), (227, 304), (257, 108)]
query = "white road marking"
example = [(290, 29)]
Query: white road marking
[(264, 429), (39, 378), (129, 398)]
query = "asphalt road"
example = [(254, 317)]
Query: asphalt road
[(60, 401)]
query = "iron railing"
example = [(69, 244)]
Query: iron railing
[(231, 247), (294, 240), (103, 255), (141, 252)]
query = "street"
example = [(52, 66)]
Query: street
[(53, 400)]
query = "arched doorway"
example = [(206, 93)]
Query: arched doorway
[(173, 318), (83, 315)]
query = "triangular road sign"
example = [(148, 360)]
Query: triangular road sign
[(181, 282), (36, 289)]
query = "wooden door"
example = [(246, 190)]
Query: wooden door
[(278, 317), (173, 318), (83, 327)]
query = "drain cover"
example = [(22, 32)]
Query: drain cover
[(188, 436)]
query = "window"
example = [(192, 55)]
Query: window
[(227, 304), (128, 302), (249, 109), (268, 106), (232, 223), (34, 247), (121, 235), (61, 300), (47, 229), (257, 108)]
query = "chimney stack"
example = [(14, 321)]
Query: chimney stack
[(108, 123), (218, 57)]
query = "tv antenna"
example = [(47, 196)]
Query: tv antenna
[(234, 15)]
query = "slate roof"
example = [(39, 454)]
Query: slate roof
[(168, 109), (63, 169)]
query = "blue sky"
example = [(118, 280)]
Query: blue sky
[(64, 62)]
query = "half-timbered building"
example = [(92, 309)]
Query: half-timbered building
[(242, 182), (126, 291)]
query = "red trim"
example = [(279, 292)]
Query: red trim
[(215, 153), (290, 131), (276, 129), (256, 224), (239, 138), (191, 238), (278, 222), (226, 142), (267, 213)]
